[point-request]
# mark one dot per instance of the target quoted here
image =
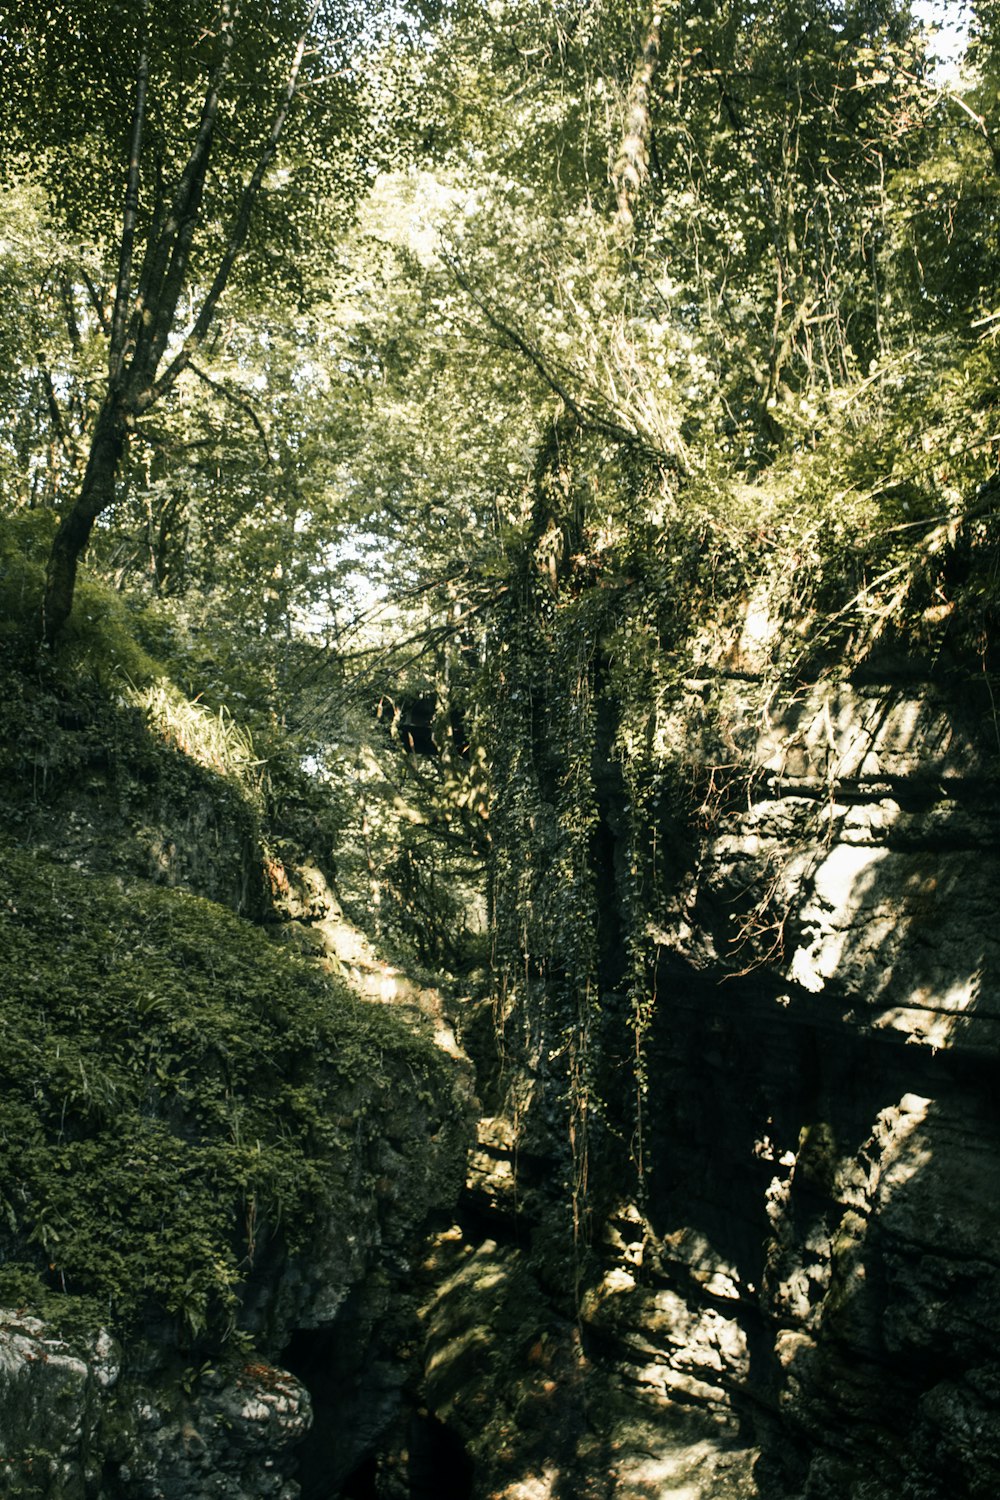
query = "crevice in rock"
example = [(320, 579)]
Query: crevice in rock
[(421, 1459), (362, 1484), (355, 1387), (439, 1467)]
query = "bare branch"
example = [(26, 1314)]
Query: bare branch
[(55, 415), (72, 327), (980, 123), (244, 405), (96, 301)]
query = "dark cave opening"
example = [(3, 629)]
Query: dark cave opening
[(363, 1483), (429, 1463), (368, 1440)]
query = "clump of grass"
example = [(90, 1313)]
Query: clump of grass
[(100, 649), (214, 739)]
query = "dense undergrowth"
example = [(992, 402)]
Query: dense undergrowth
[(182, 1100), (167, 1082)]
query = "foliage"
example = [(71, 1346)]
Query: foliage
[(170, 1092), (161, 741), (772, 401), (101, 644), (202, 197), (69, 108), (540, 475)]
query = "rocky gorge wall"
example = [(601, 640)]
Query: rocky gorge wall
[(818, 1248), (311, 1370), (217, 1163), (805, 1303), (155, 1414)]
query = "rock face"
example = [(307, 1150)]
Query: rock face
[(230, 1437), (544, 1413), (78, 1421), (74, 1427), (803, 1304), (52, 1398), (819, 1245), (81, 1419), (100, 818), (807, 1304)]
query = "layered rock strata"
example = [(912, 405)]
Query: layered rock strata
[(817, 1250), (804, 1303)]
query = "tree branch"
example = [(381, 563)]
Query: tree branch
[(178, 232), (123, 290), (631, 169), (238, 401), (96, 301), (585, 412), (72, 327), (980, 122), (241, 228), (55, 415)]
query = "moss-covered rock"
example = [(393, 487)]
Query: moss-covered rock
[(205, 1144), (52, 1395), (184, 1102)]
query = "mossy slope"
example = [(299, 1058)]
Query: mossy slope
[(205, 1141), (179, 1098)]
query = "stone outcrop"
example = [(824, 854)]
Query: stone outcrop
[(81, 1419), (817, 1249), (322, 1306), (53, 1397), (543, 1413), (229, 1436), (72, 1426), (804, 1304)]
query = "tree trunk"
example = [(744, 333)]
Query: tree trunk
[(96, 493), (631, 168)]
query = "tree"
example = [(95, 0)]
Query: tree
[(202, 203)]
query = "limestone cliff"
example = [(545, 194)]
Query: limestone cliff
[(798, 1298), (802, 1298), (825, 1177)]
